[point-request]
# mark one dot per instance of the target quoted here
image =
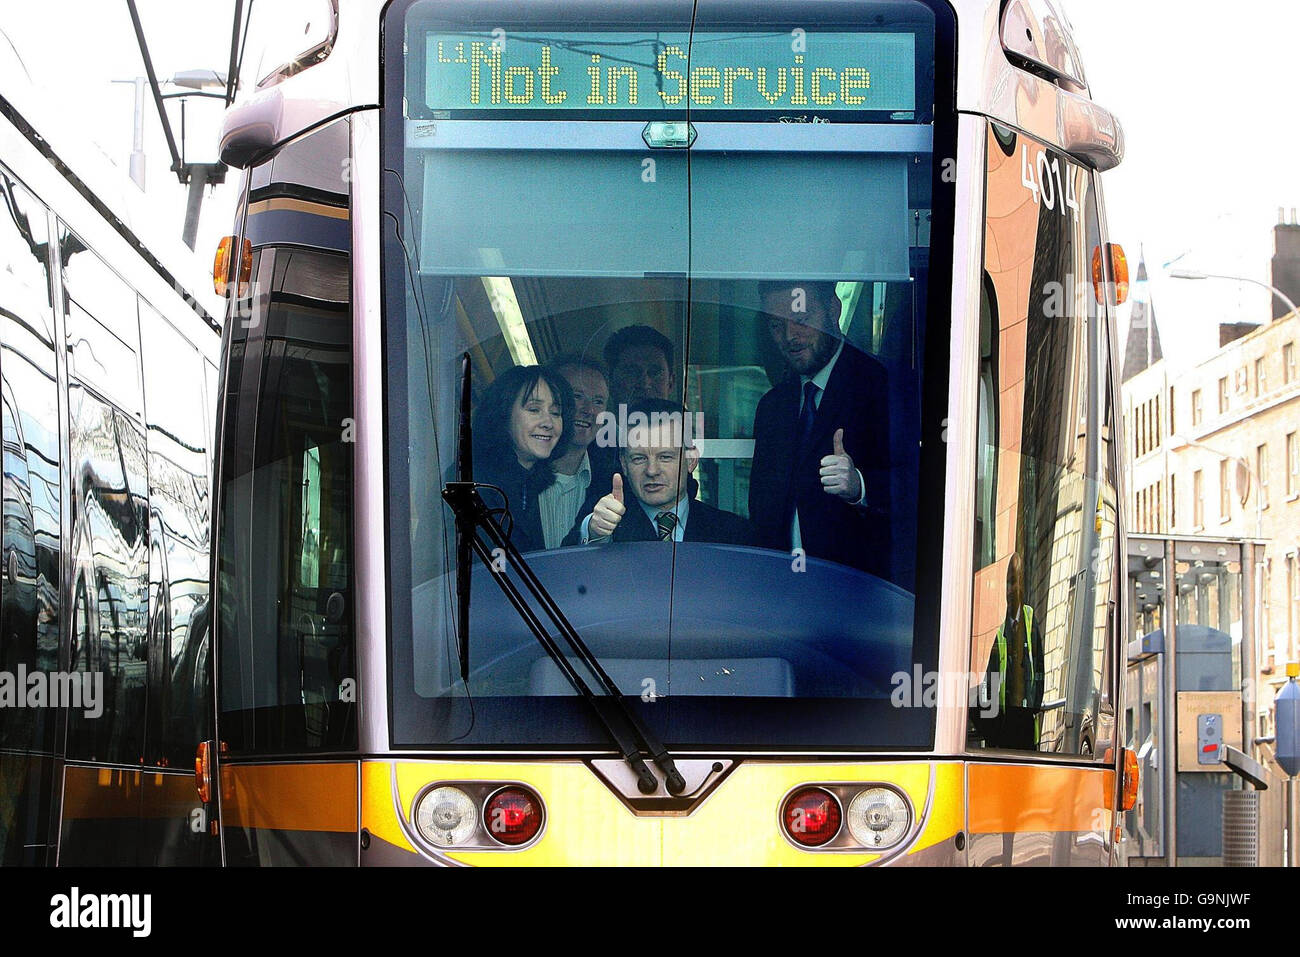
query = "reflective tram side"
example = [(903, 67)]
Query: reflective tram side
[(109, 359)]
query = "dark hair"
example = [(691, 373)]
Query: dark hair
[(579, 360), (823, 292), (631, 337), (492, 443)]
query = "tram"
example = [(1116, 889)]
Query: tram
[(859, 249), (108, 358)]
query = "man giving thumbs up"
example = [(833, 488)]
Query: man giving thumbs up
[(820, 478), (651, 498)]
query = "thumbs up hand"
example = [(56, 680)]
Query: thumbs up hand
[(608, 512), (839, 476)]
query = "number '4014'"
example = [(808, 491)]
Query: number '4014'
[(1042, 177)]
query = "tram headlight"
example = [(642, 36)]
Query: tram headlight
[(878, 818), (447, 817)]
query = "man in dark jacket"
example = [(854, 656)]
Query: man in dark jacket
[(651, 499), (820, 477)]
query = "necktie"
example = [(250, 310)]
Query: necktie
[(808, 412), (666, 522)]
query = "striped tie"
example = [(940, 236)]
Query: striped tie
[(666, 521)]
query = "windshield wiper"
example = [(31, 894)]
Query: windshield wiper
[(474, 522)]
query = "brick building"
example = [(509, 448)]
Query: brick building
[(1214, 450)]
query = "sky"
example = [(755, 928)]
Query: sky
[(1199, 87), (76, 49), (1206, 94)]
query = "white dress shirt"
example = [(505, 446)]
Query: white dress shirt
[(560, 501)]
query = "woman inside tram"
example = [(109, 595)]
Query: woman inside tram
[(521, 427)]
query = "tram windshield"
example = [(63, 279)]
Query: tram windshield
[(687, 248)]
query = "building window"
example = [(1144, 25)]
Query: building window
[(1223, 395), (1288, 363), (1173, 428), (1261, 376), (1265, 631), (1291, 586), (1292, 465), (1225, 493), (1173, 501), (1198, 499), (1196, 407), (1261, 475)]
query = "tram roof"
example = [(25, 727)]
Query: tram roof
[(1017, 63)]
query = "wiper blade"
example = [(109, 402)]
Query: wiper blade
[(628, 732), (465, 532), (474, 520)]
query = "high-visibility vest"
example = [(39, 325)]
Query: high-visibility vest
[(1028, 614)]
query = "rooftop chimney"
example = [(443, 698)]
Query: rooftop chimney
[(1286, 260)]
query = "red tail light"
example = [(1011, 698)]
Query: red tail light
[(513, 816), (811, 817)]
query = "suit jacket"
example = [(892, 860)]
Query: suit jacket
[(786, 476), (523, 486), (704, 523)]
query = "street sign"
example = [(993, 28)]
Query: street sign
[(1287, 705)]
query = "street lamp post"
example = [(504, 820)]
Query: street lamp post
[(1197, 274), (137, 138)]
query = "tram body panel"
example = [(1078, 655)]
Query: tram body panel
[(1024, 814), (297, 814)]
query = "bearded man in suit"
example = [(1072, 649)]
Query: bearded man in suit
[(820, 476)]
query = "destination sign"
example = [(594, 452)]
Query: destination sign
[(824, 72)]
